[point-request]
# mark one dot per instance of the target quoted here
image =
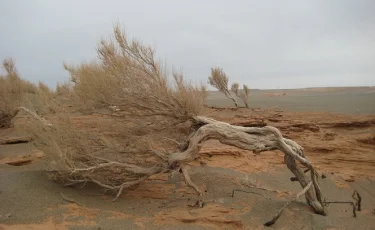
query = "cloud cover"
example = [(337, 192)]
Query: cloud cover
[(265, 44)]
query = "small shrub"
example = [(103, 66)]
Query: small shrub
[(16, 93), (245, 95), (153, 107), (11, 93), (219, 80)]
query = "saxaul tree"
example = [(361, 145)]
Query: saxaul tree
[(219, 80), (242, 94), (159, 128), (235, 88), (13, 94)]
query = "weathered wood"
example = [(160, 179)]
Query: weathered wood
[(256, 140)]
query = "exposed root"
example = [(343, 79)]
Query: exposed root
[(356, 204), (70, 200), (190, 183), (240, 190), (278, 214), (358, 200)]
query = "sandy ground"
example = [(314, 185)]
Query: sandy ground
[(341, 146), (354, 100)]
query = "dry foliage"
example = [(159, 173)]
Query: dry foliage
[(44, 89), (11, 93), (219, 80), (243, 94), (17, 94), (128, 76), (115, 149), (64, 89), (235, 88)]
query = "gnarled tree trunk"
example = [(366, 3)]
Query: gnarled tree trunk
[(256, 140), (249, 138)]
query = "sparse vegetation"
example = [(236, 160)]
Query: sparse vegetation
[(16, 94), (44, 89), (219, 80), (157, 125), (243, 94), (235, 88), (12, 90), (155, 128), (64, 89), (153, 107)]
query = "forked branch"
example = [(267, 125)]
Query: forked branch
[(257, 140)]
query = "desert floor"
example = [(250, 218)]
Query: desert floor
[(336, 127)]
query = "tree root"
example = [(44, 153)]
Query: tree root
[(70, 200), (278, 214), (356, 204), (190, 183), (240, 190)]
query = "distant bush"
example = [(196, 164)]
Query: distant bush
[(16, 92), (243, 94), (219, 80), (12, 92), (64, 89), (43, 88)]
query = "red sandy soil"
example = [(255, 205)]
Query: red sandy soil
[(341, 146)]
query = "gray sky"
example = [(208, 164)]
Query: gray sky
[(265, 44)]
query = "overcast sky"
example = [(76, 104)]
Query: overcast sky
[(265, 44)]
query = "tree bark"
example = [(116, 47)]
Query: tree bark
[(256, 140)]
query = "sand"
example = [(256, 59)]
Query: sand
[(341, 146)]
